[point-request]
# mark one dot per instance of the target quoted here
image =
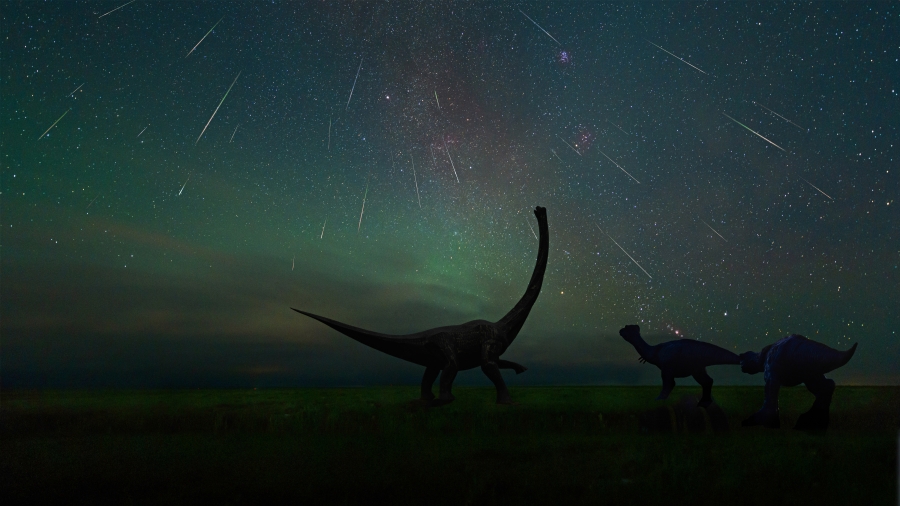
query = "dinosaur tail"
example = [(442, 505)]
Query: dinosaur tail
[(830, 359), (412, 348), (729, 358), (847, 355), (716, 355)]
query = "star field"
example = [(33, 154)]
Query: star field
[(712, 171)]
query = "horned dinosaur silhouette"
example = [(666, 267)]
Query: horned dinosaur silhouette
[(447, 350), (680, 359), (789, 362)]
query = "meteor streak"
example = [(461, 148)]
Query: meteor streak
[(232, 133), (292, 262), (539, 26), (217, 108), (529, 226), (816, 187), (617, 126), (323, 229), (76, 89), (451, 159), (619, 166), (780, 116), (754, 133), (361, 212), (207, 33), (557, 156), (185, 184), (354, 83), (53, 125), (567, 144), (92, 202), (142, 131), (117, 8), (416, 180), (714, 230), (436, 100), (677, 57), (623, 251)]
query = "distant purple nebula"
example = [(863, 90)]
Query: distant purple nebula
[(563, 57)]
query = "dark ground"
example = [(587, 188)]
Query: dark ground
[(564, 445)]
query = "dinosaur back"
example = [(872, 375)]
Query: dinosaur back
[(795, 358), (688, 355)]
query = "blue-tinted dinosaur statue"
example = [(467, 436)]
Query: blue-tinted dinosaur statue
[(680, 359), (789, 362), (447, 350)]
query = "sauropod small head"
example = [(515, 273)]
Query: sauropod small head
[(630, 333)]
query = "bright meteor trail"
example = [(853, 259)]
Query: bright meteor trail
[(363, 210), (567, 144), (539, 26), (530, 227), (677, 57), (816, 187), (451, 159), (617, 126), (207, 33), (416, 180), (53, 125), (185, 184), (714, 230), (754, 133), (623, 251), (217, 108), (354, 83), (117, 8), (619, 166), (780, 116)]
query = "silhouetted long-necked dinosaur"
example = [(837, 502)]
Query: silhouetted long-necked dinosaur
[(680, 359), (789, 362), (454, 348)]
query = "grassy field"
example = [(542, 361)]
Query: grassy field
[(559, 445)]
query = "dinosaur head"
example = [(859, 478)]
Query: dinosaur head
[(751, 362), (631, 333)]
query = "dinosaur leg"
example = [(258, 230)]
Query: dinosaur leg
[(768, 414), (492, 371), (431, 373), (817, 417), (447, 377), (706, 382), (506, 364), (668, 384)]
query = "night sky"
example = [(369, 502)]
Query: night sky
[(155, 234)]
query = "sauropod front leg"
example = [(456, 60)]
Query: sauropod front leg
[(491, 370)]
